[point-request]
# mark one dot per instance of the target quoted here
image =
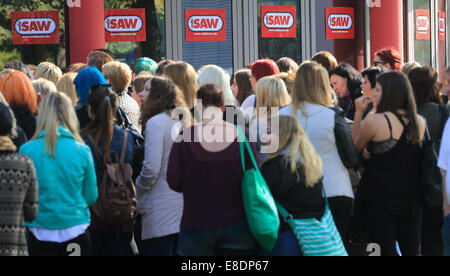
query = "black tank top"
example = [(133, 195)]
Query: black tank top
[(392, 174)]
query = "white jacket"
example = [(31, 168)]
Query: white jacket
[(319, 126), (161, 208)]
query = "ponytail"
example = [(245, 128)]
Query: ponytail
[(102, 102)]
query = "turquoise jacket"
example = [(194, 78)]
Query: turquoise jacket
[(67, 183)]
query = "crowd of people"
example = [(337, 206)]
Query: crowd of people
[(145, 159)]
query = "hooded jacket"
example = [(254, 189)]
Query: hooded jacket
[(87, 78), (83, 83)]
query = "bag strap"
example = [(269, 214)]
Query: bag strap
[(288, 216), (124, 146), (242, 139)]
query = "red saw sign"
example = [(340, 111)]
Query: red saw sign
[(340, 23), (125, 25), (423, 25), (35, 27), (279, 21), (206, 25), (442, 26)]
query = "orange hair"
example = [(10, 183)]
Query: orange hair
[(18, 91)]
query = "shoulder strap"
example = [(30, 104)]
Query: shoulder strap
[(124, 146), (400, 118), (389, 123), (243, 139)]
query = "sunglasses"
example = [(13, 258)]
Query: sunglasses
[(376, 63)]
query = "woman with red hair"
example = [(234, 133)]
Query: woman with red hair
[(260, 69), (18, 91), (389, 58)]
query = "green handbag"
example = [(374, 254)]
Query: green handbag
[(259, 205)]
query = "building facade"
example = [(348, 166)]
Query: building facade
[(377, 23)]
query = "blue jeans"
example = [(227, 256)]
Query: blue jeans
[(234, 240), (287, 245), (159, 247), (446, 236), (110, 242)]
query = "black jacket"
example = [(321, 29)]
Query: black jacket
[(26, 120)]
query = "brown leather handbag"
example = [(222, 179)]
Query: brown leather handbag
[(116, 203)]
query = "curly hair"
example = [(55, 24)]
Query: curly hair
[(164, 96)]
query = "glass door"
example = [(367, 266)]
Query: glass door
[(219, 50)]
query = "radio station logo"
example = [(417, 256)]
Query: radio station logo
[(340, 22), (35, 26), (442, 25), (423, 23), (205, 23), (278, 20), (123, 23)]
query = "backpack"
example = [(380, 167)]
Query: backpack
[(116, 203)]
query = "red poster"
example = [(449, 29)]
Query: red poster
[(206, 25), (340, 23), (35, 27), (442, 26), (279, 21), (125, 25), (423, 25)]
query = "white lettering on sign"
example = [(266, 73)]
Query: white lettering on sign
[(374, 3), (35, 26), (74, 3), (340, 22), (123, 23), (278, 20), (205, 23), (441, 25), (423, 24)]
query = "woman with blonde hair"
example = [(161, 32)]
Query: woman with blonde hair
[(65, 85), (213, 74), (119, 75), (185, 77), (271, 95), (67, 181), (330, 136), (293, 174), (42, 87), (48, 71)]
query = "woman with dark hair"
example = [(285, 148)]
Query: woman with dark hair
[(389, 58), (242, 85), (160, 207), (206, 167), (106, 140), (390, 186), (346, 82), (287, 65), (425, 83), (368, 85)]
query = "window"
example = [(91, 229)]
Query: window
[(276, 48), (422, 47), (200, 53)]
